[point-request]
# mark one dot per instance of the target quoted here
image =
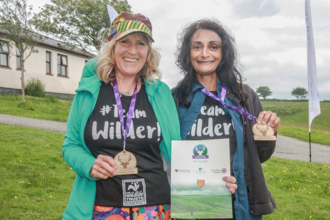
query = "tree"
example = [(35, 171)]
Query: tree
[(15, 17), (264, 91), (299, 93), (78, 23)]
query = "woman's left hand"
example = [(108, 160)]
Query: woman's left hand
[(231, 180), (269, 118)]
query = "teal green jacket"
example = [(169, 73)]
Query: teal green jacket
[(77, 154)]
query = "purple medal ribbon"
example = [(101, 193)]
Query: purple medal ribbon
[(120, 110), (238, 109)]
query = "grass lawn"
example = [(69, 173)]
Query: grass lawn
[(41, 108), (301, 189), (35, 181), (294, 120)]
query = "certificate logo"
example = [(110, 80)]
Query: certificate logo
[(200, 183), (216, 171), (181, 171), (200, 171), (200, 152), (224, 170)]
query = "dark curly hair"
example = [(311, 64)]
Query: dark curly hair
[(226, 70)]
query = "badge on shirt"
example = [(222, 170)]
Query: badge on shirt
[(134, 192)]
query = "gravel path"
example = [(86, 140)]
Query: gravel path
[(287, 148), (33, 123)]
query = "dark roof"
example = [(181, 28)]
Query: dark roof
[(56, 44)]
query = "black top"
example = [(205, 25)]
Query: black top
[(213, 123), (103, 135)]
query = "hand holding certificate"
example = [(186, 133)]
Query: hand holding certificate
[(197, 188)]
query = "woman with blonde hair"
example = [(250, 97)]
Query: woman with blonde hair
[(120, 128)]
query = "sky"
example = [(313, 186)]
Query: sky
[(270, 38)]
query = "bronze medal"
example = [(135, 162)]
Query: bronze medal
[(126, 163), (263, 133)]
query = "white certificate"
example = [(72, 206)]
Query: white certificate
[(197, 188)]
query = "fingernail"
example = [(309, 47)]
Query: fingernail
[(263, 122), (269, 124), (114, 173), (259, 122)]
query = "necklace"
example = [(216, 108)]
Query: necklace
[(125, 93)]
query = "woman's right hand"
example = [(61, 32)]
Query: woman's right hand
[(104, 167)]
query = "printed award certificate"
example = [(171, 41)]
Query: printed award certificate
[(197, 188)]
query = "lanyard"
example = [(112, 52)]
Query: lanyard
[(120, 110), (238, 109)]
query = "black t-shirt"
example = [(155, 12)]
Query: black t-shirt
[(213, 123), (103, 135)]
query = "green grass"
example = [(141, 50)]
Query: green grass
[(301, 189), (41, 108), (35, 181), (294, 120)]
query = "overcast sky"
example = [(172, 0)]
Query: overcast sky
[(270, 38)]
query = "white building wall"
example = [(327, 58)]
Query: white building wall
[(35, 66)]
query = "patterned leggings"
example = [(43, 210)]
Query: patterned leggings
[(157, 212)]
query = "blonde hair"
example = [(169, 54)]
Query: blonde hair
[(106, 63)]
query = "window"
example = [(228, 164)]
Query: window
[(18, 59), (48, 62), (62, 65), (4, 54)]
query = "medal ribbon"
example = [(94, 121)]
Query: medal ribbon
[(242, 111), (120, 110)]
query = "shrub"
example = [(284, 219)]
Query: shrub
[(52, 99), (25, 106), (35, 87)]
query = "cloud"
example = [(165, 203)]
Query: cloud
[(255, 8)]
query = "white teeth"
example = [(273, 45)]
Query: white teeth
[(130, 60), (205, 61)]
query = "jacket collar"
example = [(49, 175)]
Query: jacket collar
[(90, 84), (199, 85), (89, 80), (229, 95), (151, 88)]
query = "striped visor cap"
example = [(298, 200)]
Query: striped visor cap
[(126, 23)]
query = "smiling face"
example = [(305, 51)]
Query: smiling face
[(130, 55), (205, 51)]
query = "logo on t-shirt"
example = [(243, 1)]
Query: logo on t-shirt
[(200, 152), (134, 192)]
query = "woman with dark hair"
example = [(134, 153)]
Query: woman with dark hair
[(213, 103)]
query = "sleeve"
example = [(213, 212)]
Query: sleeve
[(73, 150), (265, 148)]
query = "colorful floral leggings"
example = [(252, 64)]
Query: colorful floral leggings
[(157, 212)]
